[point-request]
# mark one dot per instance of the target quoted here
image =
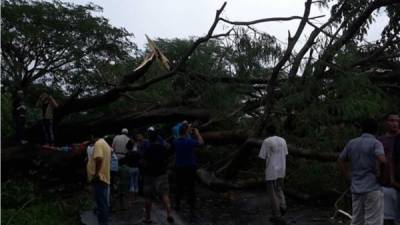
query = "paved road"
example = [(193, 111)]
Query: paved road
[(229, 208)]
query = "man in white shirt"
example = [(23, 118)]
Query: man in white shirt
[(119, 143), (274, 151)]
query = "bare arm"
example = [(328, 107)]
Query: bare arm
[(198, 137), (344, 167), (53, 101), (381, 165)]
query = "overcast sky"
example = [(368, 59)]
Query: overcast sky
[(185, 18)]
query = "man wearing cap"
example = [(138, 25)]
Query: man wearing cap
[(119, 143)]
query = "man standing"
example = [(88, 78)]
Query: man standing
[(274, 151), (186, 164), (47, 103), (396, 175), (19, 111), (391, 212), (155, 162), (119, 143), (366, 157), (98, 170)]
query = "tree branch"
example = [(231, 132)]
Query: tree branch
[(269, 98), (348, 34), (113, 94)]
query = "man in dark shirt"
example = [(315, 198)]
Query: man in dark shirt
[(19, 111), (155, 160), (388, 140), (396, 165), (396, 174), (186, 164)]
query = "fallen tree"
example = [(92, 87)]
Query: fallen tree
[(230, 169)]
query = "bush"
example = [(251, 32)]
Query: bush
[(23, 203)]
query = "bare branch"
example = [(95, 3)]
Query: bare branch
[(272, 19), (348, 34), (310, 42), (269, 98)]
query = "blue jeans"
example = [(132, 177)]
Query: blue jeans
[(134, 180), (101, 197)]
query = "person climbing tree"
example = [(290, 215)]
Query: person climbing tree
[(47, 104)]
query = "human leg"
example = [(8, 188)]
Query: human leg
[(373, 208), (147, 210), (358, 201), (101, 195), (281, 197), (272, 190), (180, 186), (51, 131), (46, 135), (191, 181)]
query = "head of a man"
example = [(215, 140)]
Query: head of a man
[(184, 129), (124, 131), (369, 125), (108, 139), (271, 130), (151, 131), (392, 121)]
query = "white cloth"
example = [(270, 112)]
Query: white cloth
[(274, 151), (391, 212), (367, 208), (119, 145), (89, 151)]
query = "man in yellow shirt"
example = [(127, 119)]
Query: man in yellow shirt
[(98, 170)]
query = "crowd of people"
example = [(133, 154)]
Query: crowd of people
[(122, 167)]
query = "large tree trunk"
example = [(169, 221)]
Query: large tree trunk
[(43, 163), (70, 132)]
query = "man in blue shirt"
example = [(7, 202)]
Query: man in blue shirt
[(186, 164), (361, 161)]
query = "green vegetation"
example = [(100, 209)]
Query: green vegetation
[(24, 203)]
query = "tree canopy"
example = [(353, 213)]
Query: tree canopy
[(58, 44)]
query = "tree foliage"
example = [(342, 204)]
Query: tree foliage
[(58, 44)]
